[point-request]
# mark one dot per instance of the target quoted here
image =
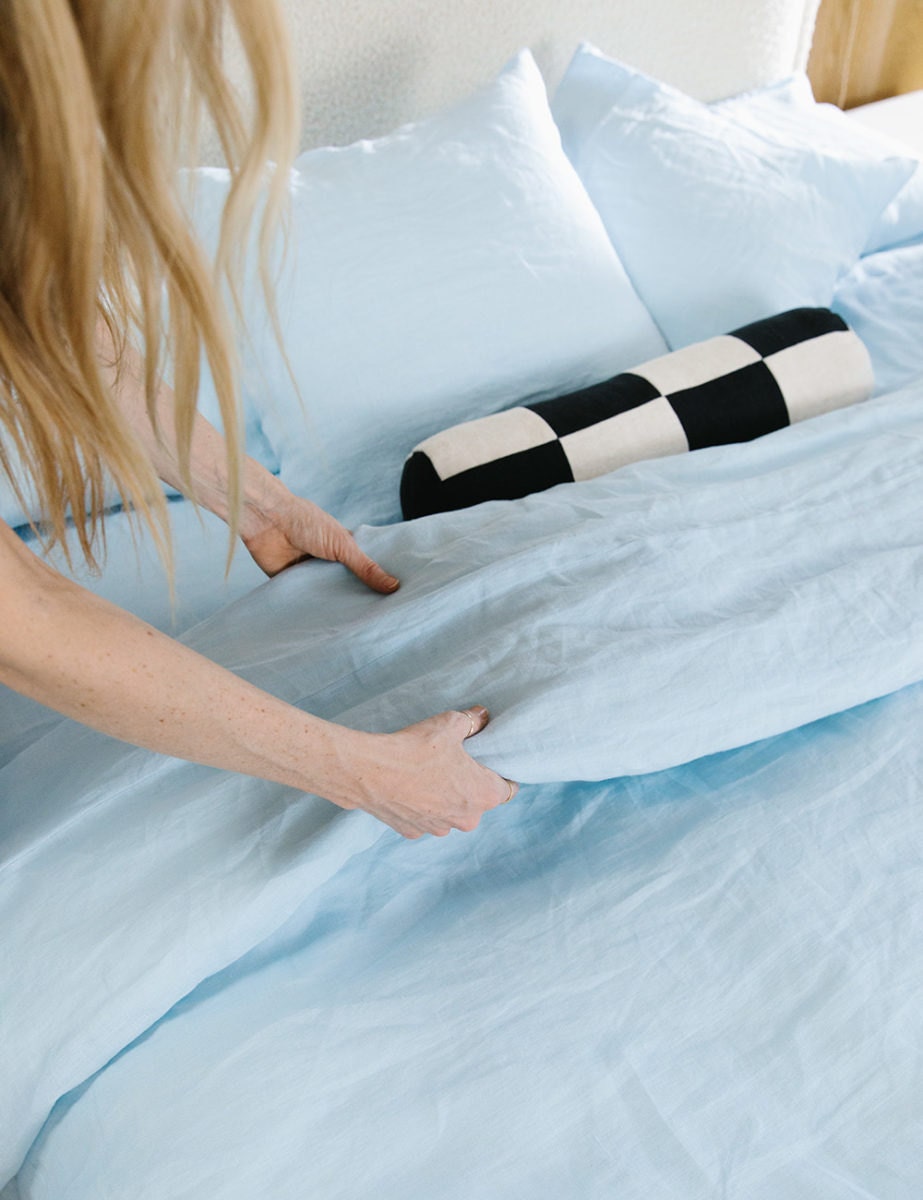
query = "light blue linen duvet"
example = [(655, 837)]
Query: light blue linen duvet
[(699, 978)]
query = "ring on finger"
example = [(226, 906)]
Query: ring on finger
[(472, 724), (512, 792)]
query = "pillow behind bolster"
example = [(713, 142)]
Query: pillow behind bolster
[(727, 389), (722, 219)]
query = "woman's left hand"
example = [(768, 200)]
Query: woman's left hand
[(290, 529), (277, 527)]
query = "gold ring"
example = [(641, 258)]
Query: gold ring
[(472, 724), (512, 787)]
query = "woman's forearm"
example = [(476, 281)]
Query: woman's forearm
[(208, 467), (76, 653), (84, 657), (277, 527)]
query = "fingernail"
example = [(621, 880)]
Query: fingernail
[(392, 582)]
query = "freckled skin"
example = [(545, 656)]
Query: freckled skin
[(90, 660)]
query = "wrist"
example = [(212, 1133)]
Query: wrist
[(281, 742), (264, 497), (335, 762)]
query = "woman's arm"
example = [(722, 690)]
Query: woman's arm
[(84, 657), (78, 654), (277, 527)]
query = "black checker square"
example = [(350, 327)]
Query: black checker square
[(732, 408), (590, 405), (506, 478), (789, 329)]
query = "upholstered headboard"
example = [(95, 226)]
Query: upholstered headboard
[(369, 65)]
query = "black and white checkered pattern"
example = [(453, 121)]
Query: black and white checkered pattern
[(728, 389)]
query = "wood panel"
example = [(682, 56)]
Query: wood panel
[(866, 50)]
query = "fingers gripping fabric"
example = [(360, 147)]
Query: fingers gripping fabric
[(731, 388)]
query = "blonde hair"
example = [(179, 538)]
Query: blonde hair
[(100, 102)]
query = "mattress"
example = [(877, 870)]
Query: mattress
[(898, 117)]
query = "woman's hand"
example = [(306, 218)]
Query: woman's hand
[(283, 529), (422, 780), (277, 527)]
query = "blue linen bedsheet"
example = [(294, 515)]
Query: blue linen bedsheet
[(693, 977)]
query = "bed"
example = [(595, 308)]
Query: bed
[(686, 961)]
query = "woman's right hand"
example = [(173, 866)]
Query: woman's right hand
[(422, 780)]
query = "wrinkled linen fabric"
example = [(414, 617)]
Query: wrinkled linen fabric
[(786, 111), (696, 983), (723, 219), (623, 626), (882, 299)]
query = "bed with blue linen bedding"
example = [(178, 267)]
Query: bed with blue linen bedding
[(684, 962)]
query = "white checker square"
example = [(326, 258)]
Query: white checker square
[(694, 365), (651, 430), (821, 374), (476, 443)]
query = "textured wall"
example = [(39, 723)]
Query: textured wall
[(369, 65)]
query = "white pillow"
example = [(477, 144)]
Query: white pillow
[(434, 275), (719, 221)]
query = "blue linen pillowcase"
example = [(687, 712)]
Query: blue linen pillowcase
[(204, 191), (825, 127), (14, 512), (718, 223), (592, 83), (433, 275), (882, 299), (18, 515), (787, 110)]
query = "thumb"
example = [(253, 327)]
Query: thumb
[(469, 721), (363, 567)]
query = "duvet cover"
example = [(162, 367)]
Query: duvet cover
[(685, 961)]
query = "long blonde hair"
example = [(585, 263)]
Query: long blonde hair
[(100, 101)]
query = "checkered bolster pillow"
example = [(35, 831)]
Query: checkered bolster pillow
[(728, 389)]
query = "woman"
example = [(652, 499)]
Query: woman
[(97, 97)]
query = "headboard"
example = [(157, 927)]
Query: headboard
[(369, 65)]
